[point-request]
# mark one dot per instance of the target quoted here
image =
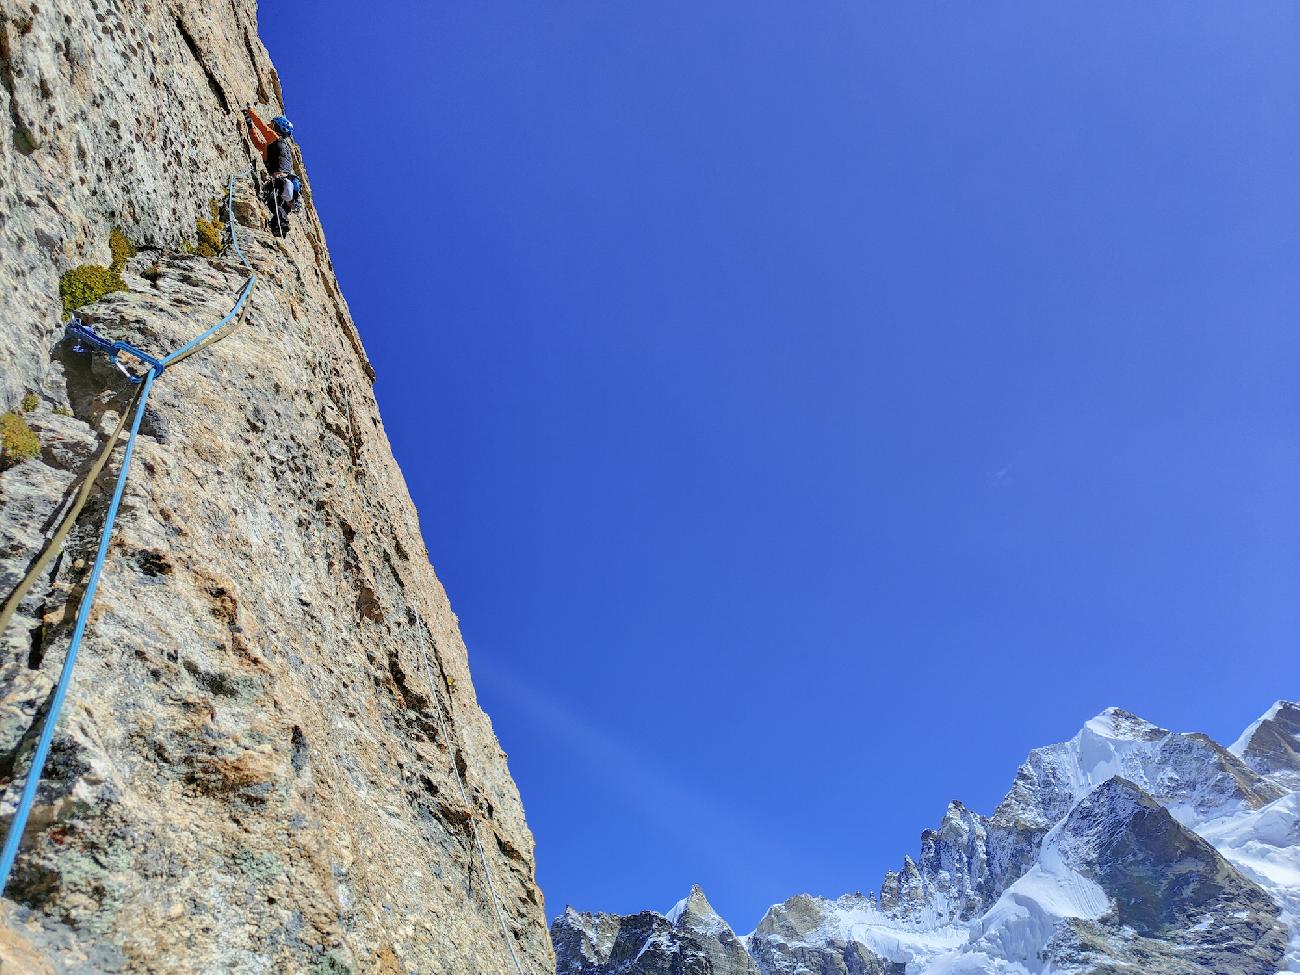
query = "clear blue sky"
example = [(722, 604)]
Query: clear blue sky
[(813, 406)]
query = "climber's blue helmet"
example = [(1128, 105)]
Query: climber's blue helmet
[(282, 125)]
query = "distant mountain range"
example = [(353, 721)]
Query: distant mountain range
[(1127, 849)]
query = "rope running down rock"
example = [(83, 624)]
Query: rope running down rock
[(224, 328)]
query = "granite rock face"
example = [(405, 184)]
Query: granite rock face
[(1127, 848), (256, 768)]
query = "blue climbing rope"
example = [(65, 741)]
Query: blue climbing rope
[(194, 343), (199, 340), (87, 337), (230, 214), (19, 823)]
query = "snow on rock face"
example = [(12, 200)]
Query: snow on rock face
[(583, 940), (1121, 882), (952, 881), (814, 936), (1027, 915), (1176, 905), (1271, 746), (696, 919), (1264, 844), (969, 861), (1196, 777), (1126, 848)]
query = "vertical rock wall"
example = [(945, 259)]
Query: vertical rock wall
[(251, 774)]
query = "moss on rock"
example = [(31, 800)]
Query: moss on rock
[(123, 250), (87, 283), (17, 440), (211, 235)]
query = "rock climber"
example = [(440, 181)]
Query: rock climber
[(272, 141)]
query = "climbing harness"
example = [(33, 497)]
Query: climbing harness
[(87, 338), (273, 196)]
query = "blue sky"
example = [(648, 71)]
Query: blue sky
[(811, 407)]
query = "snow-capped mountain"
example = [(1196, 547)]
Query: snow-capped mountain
[(1126, 848), (690, 939)]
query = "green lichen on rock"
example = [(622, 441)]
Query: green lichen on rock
[(331, 964), (24, 141), (30, 402), (87, 875), (17, 440), (259, 867), (87, 283), (123, 250)]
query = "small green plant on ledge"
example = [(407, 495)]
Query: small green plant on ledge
[(17, 440), (87, 283), (30, 402)]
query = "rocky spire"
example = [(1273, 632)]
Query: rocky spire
[(690, 939)]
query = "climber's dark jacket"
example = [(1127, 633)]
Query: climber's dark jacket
[(279, 157)]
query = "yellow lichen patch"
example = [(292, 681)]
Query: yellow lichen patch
[(17, 441)]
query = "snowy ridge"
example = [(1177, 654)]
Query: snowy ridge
[(1238, 747), (1271, 746), (1190, 773), (676, 911), (1018, 927), (1128, 847)]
